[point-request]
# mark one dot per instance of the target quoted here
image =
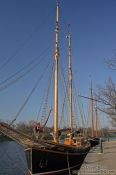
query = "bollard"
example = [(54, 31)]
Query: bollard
[(108, 138), (101, 146)]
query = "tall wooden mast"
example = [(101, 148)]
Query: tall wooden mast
[(96, 120), (92, 113), (56, 77), (70, 80)]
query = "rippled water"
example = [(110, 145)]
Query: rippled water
[(12, 159)]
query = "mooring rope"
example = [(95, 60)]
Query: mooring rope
[(68, 164), (29, 172)]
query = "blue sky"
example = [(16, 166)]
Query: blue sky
[(27, 28)]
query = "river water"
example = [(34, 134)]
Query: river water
[(12, 159)]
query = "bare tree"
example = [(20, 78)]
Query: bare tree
[(111, 63), (107, 97), (27, 128)]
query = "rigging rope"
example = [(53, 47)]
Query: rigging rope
[(62, 113), (43, 126), (21, 76), (65, 87), (24, 42), (48, 89), (16, 51), (23, 68), (30, 94), (80, 107)]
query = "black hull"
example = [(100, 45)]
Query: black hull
[(94, 141), (56, 160)]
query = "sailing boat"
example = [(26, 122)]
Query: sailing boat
[(53, 157), (45, 157), (94, 140)]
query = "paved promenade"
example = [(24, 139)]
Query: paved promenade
[(97, 163)]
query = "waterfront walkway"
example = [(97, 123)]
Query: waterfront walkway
[(97, 163)]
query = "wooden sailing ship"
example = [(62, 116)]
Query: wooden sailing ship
[(52, 157), (56, 158), (94, 140)]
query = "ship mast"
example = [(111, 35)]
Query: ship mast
[(56, 77), (70, 79), (92, 113), (96, 120)]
